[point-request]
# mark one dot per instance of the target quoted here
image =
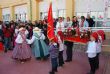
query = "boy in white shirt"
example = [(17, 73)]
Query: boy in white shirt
[(61, 48), (101, 38), (92, 52)]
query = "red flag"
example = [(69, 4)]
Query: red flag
[(50, 28)]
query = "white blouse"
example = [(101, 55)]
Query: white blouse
[(99, 45), (34, 38), (61, 45), (91, 49), (68, 24), (16, 31), (19, 37), (60, 26)]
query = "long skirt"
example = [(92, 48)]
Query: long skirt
[(40, 49), (21, 52)]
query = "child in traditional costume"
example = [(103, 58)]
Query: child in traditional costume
[(22, 51), (92, 52), (61, 48), (15, 34), (53, 50), (101, 38), (39, 47)]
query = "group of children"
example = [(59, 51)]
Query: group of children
[(22, 51), (56, 52), (94, 49)]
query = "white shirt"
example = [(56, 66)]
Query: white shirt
[(61, 45), (19, 37), (34, 38), (85, 25), (16, 31), (60, 26), (92, 49), (99, 45), (0, 26), (68, 24)]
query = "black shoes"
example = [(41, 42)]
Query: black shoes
[(91, 72), (61, 65), (38, 58), (68, 60), (5, 51), (51, 72)]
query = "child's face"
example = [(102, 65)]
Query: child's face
[(17, 27), (51, 41), (92, 38), (22, 32)]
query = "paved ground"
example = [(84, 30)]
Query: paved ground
[(79, 65)]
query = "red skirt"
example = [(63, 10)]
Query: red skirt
[(1, 46)]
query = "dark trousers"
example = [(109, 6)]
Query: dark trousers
[(97, 58), (7, 43), (69, 53), (60, 58), (93, 64), (54, 64)]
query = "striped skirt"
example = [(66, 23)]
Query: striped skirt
[(21, 52)]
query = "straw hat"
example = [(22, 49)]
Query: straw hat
[(21, 29)]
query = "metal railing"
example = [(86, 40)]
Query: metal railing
[(106, 29)]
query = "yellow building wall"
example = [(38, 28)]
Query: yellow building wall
[(12, 15), (8, 3), (33, 8), (29, 12), (0, 13), (12, 4), (70, 8), (32, 5)]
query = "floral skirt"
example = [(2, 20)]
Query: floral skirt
[(21, 52)]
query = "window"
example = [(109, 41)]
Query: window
[(22, 17), (62, 13), (94, 15), (44, 14), (108, 12), (6, 17), (56, 14), (100, 15), (81, 14)]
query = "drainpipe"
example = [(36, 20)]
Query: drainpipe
[(30, 10)]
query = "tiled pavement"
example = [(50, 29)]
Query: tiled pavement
[(79, 65)]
